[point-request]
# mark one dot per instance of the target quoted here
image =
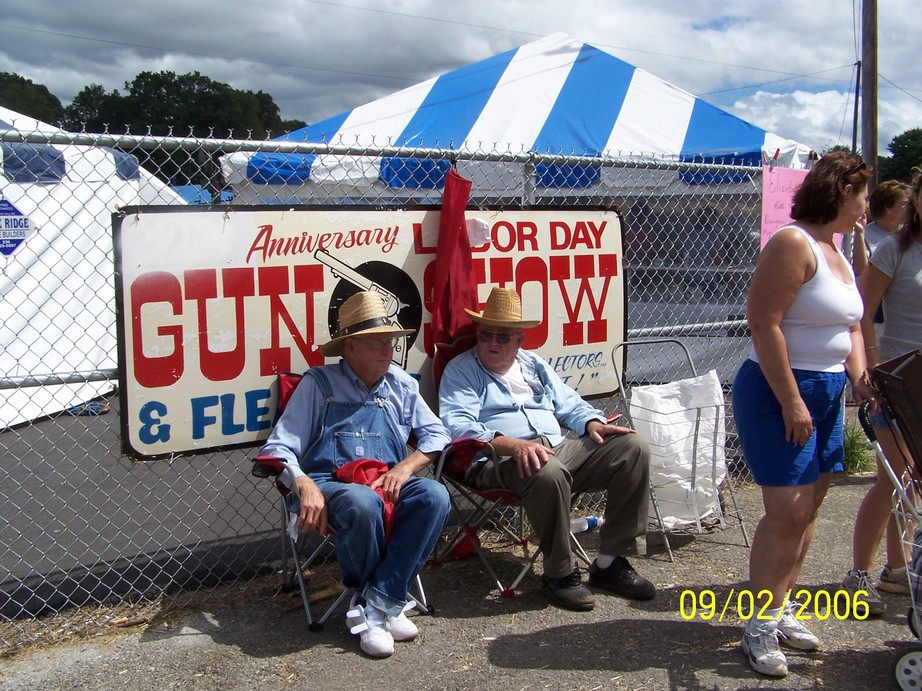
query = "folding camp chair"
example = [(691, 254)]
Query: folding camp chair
[(475, 509), (303, 550), (687, 435)]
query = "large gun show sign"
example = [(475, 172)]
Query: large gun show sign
[(212, 304)]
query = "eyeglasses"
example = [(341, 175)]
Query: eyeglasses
[(379, 343), (502, 339), (843, 179)]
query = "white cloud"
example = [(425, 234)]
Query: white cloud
[(820, 120), (318, 58)]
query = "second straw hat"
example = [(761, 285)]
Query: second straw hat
[(503, 308)]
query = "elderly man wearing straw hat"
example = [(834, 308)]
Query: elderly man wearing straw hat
[(500, 393), (365, 407)]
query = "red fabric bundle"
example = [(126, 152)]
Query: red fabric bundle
[(364, 471)]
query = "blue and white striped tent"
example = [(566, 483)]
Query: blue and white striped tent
[(555, 95)]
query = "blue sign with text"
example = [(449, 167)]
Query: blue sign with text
[(14, 227)]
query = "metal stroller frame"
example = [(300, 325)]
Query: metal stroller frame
[(899, 382)]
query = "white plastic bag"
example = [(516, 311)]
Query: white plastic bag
[(684, 423)]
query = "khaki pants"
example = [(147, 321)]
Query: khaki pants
[(620, 467)]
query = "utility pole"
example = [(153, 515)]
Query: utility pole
[(869, 87), (858, 102)]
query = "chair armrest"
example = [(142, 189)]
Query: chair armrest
[(280, 469), (268, 466), (458, 456)]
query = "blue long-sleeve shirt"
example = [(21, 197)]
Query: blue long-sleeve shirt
[(473, 403), (299, 425)]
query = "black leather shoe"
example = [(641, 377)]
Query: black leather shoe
[(568, 592), (621, 579)]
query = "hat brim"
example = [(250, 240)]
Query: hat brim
[(334, 347), (480, 319)]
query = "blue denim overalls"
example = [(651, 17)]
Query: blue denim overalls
[(381, 572), (349, 431)]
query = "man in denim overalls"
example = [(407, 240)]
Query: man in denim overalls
[(365, 407)]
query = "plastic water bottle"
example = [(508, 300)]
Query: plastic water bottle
[(584, 524)]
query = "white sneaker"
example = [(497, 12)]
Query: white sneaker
[(369, 624), (401, 628), (793, 633), (765, 657)]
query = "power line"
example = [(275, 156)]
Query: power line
[(441, 20), (776, 81), (788, 76), (182, 51), (236, 57), (896, 86)]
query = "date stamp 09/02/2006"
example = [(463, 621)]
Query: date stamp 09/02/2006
[(743, 604)]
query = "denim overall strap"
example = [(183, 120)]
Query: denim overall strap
[(319, 376)]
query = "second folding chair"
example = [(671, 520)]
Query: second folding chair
[(474, 510)]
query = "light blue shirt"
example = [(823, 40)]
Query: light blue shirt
[(299, 425), (473, 403)]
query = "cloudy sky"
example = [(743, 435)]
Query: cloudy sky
[(786, 66)]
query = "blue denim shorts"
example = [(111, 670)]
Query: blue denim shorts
[(773, 460)]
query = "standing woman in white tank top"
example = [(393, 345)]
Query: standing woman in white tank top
[(803, 311)]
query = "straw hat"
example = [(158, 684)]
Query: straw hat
[(363, 313), (503, 308)]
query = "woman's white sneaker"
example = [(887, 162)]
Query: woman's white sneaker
[(894, 580), (765, 657), (791, 632)]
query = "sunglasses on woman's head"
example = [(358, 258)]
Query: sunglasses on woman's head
[(843, 179)]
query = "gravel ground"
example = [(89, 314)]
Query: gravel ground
[(477, 640)]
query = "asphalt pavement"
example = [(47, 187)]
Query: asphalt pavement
[(257, 639)]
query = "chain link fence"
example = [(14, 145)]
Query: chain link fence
[(84, 526)]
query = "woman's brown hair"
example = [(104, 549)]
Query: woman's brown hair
[(910, 227), (817, 198)]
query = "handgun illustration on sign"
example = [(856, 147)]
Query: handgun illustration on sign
[(391, 302)]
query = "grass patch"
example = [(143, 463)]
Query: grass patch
[(859, 454)]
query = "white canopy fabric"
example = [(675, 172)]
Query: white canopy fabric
[(555, 95), (57, 295)]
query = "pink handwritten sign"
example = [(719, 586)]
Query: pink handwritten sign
[(778, 188)]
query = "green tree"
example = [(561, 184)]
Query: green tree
[(839, 147), (187, 105), (181, 105), (94, 109), (292, 125), (907, 153), (34, 100)]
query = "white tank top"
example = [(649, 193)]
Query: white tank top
[(816, 325)]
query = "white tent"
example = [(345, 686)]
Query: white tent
[(57, 296), (553, 96)]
